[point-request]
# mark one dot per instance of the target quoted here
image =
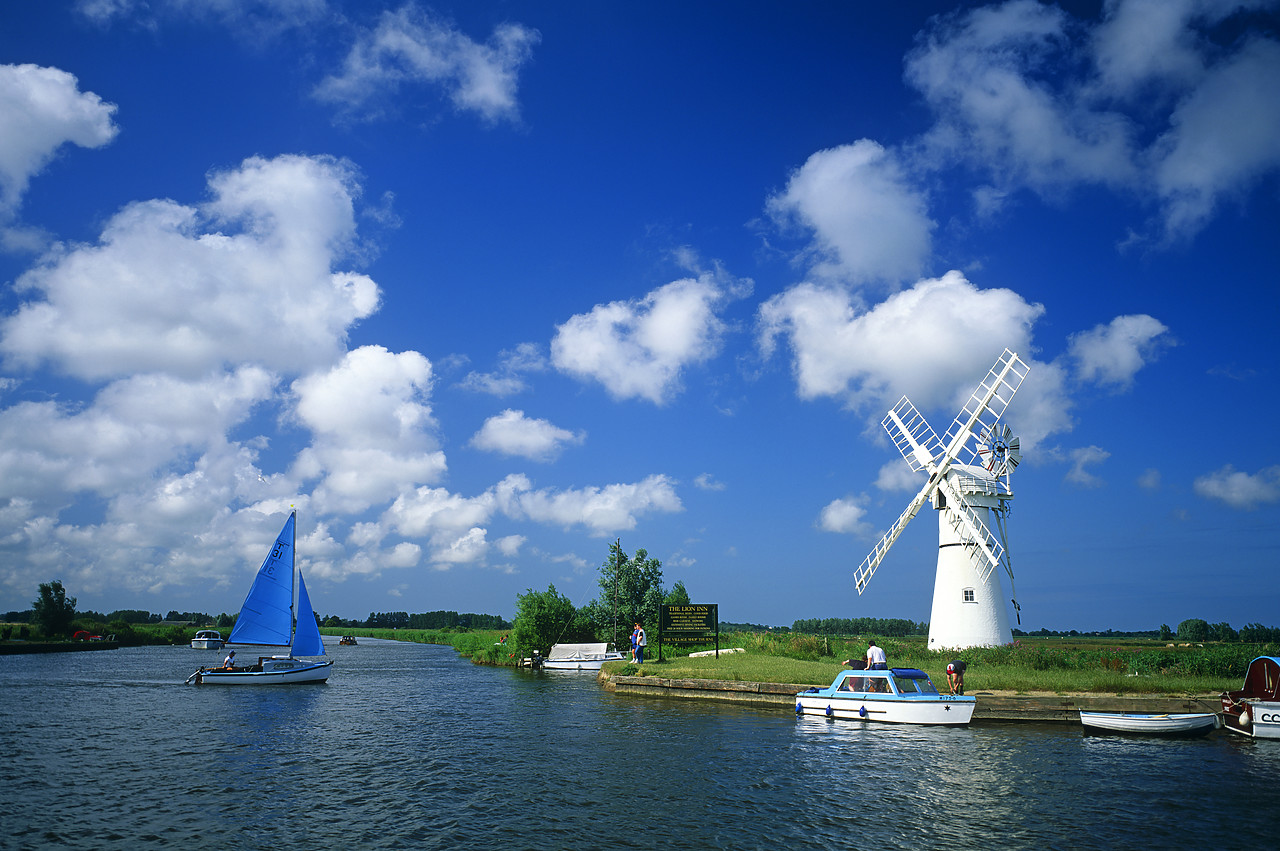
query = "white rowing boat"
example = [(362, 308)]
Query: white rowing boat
[(1181, 724)]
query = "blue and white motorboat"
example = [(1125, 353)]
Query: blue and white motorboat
[(896, 696), (267, 618)]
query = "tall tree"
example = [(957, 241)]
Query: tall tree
[(544, 618), (53, 611), (630, 592)]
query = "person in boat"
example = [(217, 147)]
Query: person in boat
[(855, 683), (229, 663), (876, 661), (641, 641), (955, 675)]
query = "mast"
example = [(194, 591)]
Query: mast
[(293, 580)]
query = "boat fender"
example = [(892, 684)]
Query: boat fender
[(1244, 717), (862, 712), (799, 708), (828, 710)]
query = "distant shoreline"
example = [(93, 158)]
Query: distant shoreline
[(12, 648)]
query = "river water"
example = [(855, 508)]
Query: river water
[(410, 747)]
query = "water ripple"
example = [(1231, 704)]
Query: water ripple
[(410, 747)]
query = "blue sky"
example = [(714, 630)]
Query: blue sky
[(482, 287)]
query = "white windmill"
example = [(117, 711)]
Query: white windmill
[(968, 482)]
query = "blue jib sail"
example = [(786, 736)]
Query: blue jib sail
[(267, 614), (306, 641)]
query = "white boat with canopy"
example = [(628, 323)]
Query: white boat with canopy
[(207, 639), (580, 657), (267, 619)]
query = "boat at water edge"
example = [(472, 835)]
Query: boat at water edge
[(896, 696), (347, 640), (267, 618), (1254, 708), (207, 639), (1178, 724), (580, 657)]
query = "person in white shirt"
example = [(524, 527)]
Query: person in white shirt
[(876, 660)]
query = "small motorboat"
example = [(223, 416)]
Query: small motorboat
[(1180, 724), (580, 657), (347, 640), (207, 639), (897, 696), (1254, 709)]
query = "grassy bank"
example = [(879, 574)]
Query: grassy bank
[(1049, 665), (1052, 666)]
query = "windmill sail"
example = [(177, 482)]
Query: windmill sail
[(985, 407), (266, 617), (306, 641)]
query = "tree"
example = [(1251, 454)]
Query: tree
[(1165, 632), (630, 592), (678, 596), (52, 611), (544, 618), (1194, 629)]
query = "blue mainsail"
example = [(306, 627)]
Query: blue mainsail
[(306, 641), (267, 614)]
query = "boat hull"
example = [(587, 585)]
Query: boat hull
[(1263, 720), (942, 711), (1125, 723), (274, 671), (206, 643), (579, 664)]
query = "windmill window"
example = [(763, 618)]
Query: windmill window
[(968, 596)]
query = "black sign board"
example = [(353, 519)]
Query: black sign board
[(689, 626)]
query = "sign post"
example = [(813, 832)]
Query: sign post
[(689, 626)]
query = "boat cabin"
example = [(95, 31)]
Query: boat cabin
[(903, 682), (1261, 681)]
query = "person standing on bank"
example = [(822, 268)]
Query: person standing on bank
[(876, 660), (640, 643), (955, 675)]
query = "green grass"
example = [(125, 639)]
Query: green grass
[(1075, 666)]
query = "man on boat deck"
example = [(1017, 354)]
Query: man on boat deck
[(229, 663), (876, 660)]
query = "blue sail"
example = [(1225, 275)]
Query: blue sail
[(267, 614), (306, 641)]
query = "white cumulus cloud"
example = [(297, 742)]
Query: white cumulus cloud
[(638, 349), (411, 48), (1239, 489), (1112, 354), (513, 433), (869, 222)]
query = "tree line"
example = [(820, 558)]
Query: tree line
[(889, 627), (423, 620), (54, 614)]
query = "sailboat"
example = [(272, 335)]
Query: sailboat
[(267, 618)]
